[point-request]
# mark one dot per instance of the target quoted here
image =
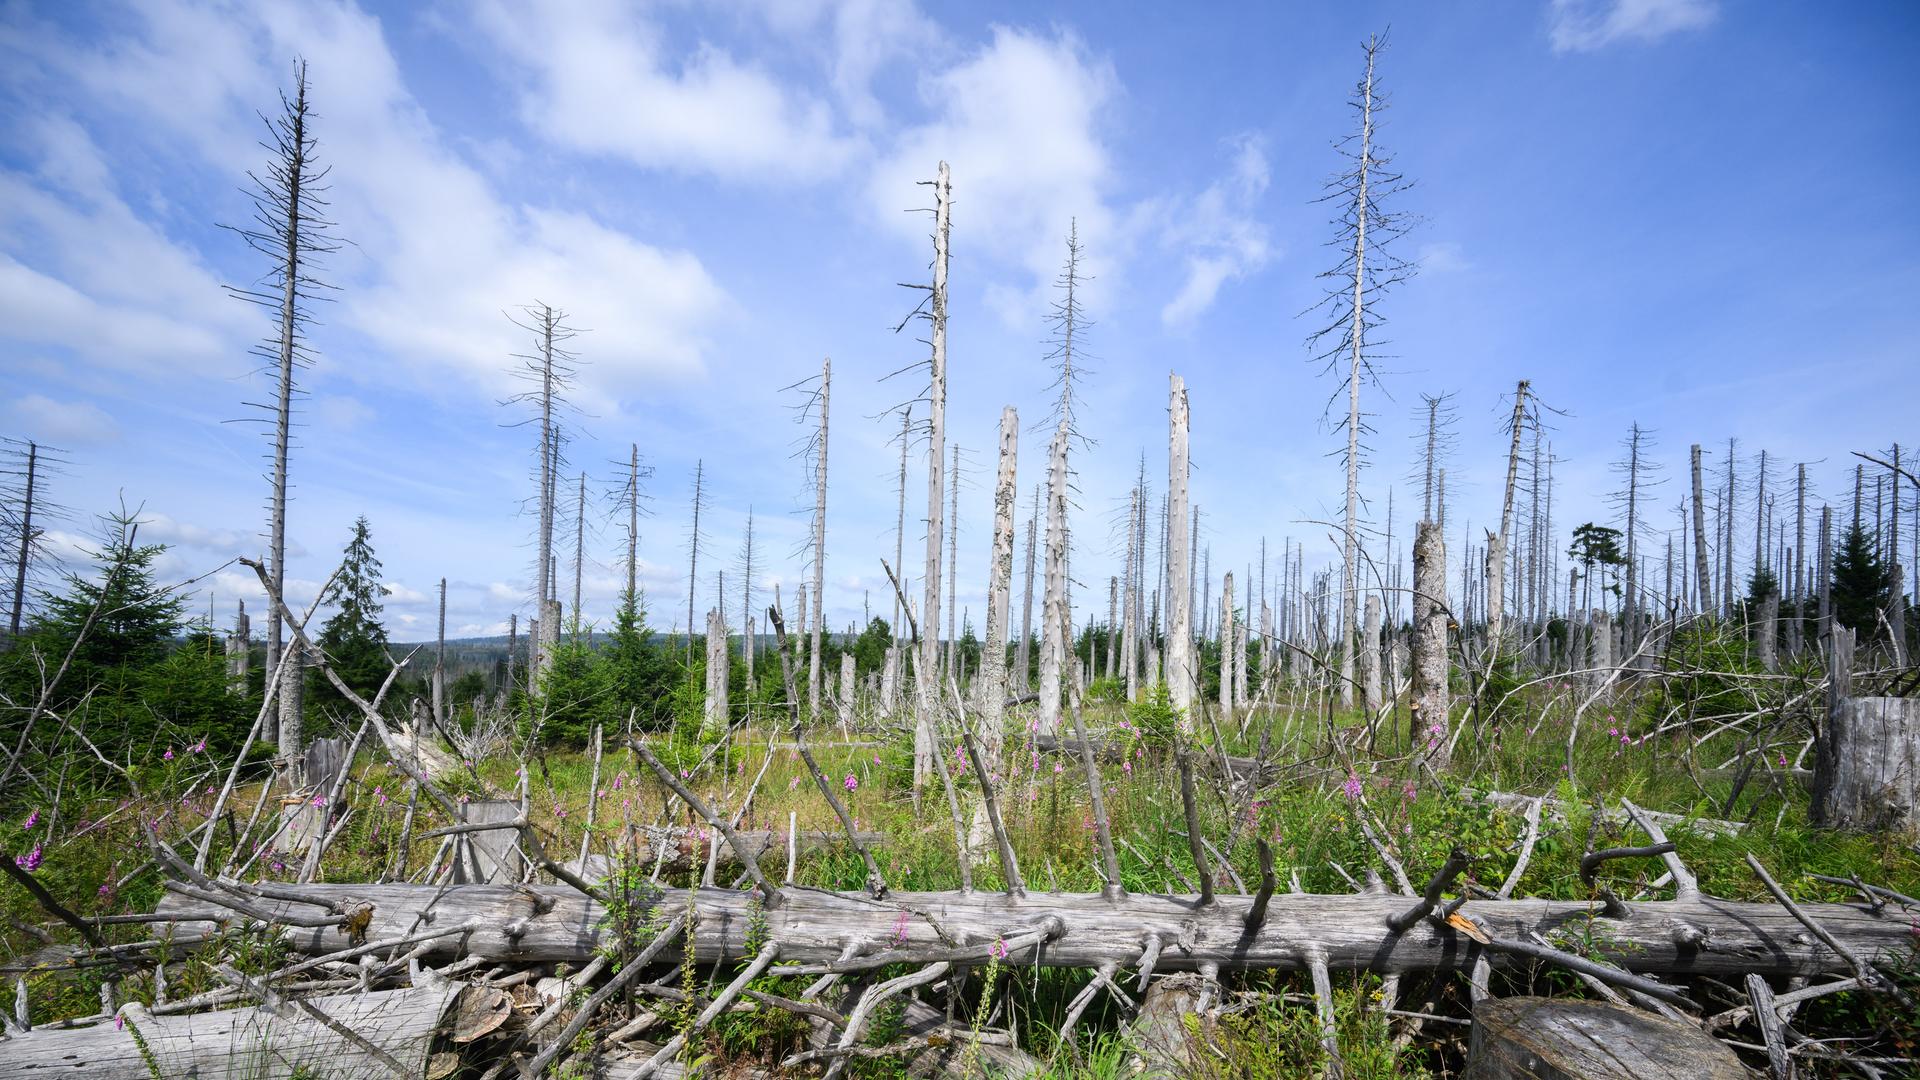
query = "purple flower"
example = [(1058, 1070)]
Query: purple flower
[(199, 746), (319, 800), (168, 756), (34, 819), (852, 782), (1783, 761), (684, 774), (1354, 786), (119, 1021), (999, 950), (30, 861)]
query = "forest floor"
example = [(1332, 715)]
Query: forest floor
[(1330, 778)]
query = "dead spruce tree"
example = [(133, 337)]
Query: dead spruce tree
[(695, 544), (291, 230), (746, 568), (1068, 321), (993, 690), (548, 370), (1023, 655), (1181, 671), (815, 399), (1703, 577), (1496, 576), (25, 513), (1364, 233), (1431, 616)]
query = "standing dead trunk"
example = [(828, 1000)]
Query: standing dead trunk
[(929, 660), (1180, 666), (546, 632), (1497, 542), (1702, 575), (714, 717), (1430, 620), (440, 661), (1370, 659), (1766, 632), (819, 542), (952, 651), (847, 685), (239, 651), (1023, 655), (994, 686), (1129, 635), (292, 703), (1229, 679), (1055, 625), (26, 541)]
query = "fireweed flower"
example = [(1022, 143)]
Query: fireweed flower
[(852, 782), (30, 861), (168, 756), (199, 746), (1354, 786), (32, 820), (999, 950)]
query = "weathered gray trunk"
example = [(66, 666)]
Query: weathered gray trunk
[(1180, 665), (1054, 625), (1430, 619), (1702, 575), (1867, 765), (490, 856), (293, 692), (1088, 929), (239, 651), (714, 717), (993, 689), (546, 636), (1229, 680), (1601, 632), (1766, 632), (1533, 1038), (1496, 594), (846, 690), (1370, 674), (440, 656), (819, 543), (263, 1043)]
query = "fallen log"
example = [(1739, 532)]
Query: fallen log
[(1532, 1038), (548, 923), (1557, 811), (261, 1043)]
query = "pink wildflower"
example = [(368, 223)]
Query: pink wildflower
[(168, 756), (852, 782), (1058, 768), (119, 1021), (32, 820), (1127, 766), (30, 861), (684, 774), (999, 950), (199, 746), (1783, 761), (1354, 786)]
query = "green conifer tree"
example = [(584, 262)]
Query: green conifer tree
[(1862, 583), (354, 640)]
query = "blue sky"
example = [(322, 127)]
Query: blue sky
[(1692, 215)]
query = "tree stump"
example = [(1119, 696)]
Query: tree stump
[(1159, 1034), (493, 855), (1532, 1038), (1867, 772)]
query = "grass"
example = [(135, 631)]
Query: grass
[(1312, 820)]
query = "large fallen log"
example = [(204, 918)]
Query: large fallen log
[(1530, 1038), (396, 1029), (546, 923)]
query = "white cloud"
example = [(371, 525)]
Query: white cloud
[(1217, 229), (162, 529), (1019, 120), (1442, 257), (400, 593), (1586, 25), (62, 423), (604, 80), (438, 253)]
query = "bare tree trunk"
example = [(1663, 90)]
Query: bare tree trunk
[(993, 691), (1113, 626), (440, 661), (819, 543), (1825, 626), (1728, 588), (1430, 617), (693, 551), (292, 703), (953, 560), (900, 525), (929, 662), (26, 542), (1371, 693), (1055, 625), (579, 549), (1023, 656), (1798, 594), (1180, 666), (1229, 680), (1497, 542), (847, 685), (1703, 577), (714, 718), (1767, 632), (1129, 636), (239, 651)]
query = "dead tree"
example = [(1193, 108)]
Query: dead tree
[(1364, 231), (1702, 575), (929, 661), (714, 716), (1496, 594), (814, 451), (695, 543), (953, 561), (1023, 655), (746, 568), (993, 689), (24, 514), (1634, 468), (289, 228), (1431, 619), (440, 661), (1180, 665), (549, 369)]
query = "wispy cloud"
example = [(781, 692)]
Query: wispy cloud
[(1223, 239), (1586, 25)]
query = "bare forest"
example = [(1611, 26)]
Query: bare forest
[(1515, 795)]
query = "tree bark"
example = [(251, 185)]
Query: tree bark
[(1180, 666), (819, 543), (714, 717), (1532, 1038), (1702, 575), (1430, 623), (1054, 618), (994, 684)]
